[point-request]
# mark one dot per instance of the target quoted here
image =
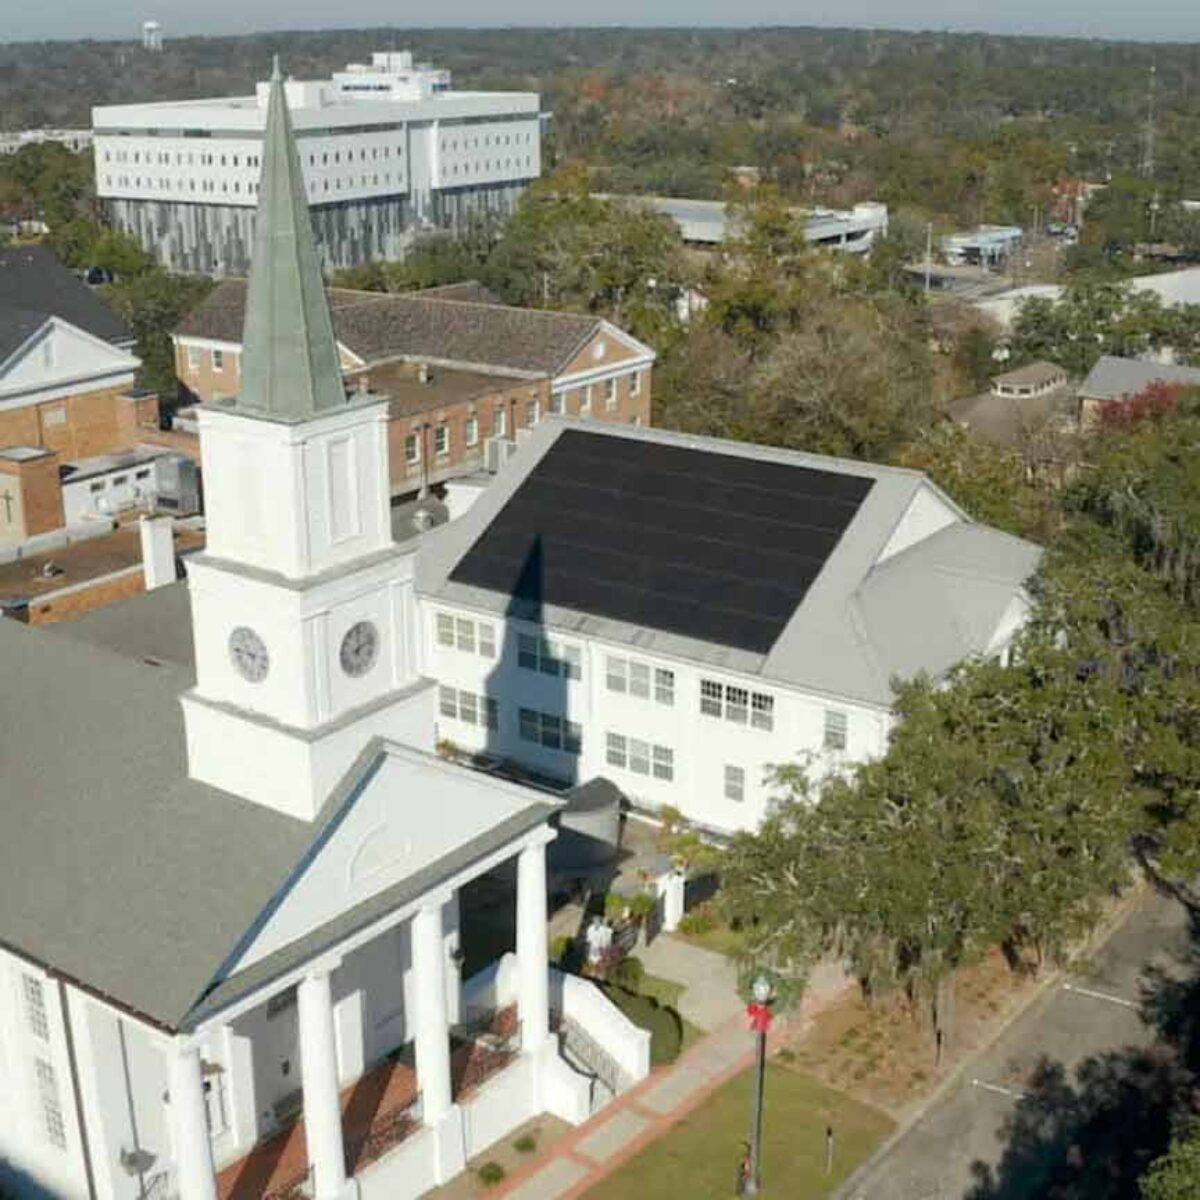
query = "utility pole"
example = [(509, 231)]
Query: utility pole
[(759, 1012), (1149, 165), (928, 255)]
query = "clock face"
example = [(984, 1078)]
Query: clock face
[(249, 654), (360, 648)]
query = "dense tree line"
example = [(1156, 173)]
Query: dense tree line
[(961, 127)]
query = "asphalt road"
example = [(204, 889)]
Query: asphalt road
[(1090, 1013)]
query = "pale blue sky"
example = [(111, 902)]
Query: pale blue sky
[(1152, 20)]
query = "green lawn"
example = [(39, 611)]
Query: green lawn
[(698, 1159)]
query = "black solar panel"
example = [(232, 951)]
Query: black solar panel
[(707, 545)]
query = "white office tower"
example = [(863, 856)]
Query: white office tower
[(386, 149)]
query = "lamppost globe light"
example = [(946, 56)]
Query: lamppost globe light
[(762, 989)]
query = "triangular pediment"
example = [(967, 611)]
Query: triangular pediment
[(58, 352), (410, 823)]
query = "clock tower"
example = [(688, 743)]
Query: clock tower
[(303, 608)]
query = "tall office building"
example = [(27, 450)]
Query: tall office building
[(386, 149)]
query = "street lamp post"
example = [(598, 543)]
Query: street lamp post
[(760, 1021)]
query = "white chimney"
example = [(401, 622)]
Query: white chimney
[(158, 550)]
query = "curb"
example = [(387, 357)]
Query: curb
[(1098, 937)]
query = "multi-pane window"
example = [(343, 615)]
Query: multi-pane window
[(735, 783), (762, 711), (637, 678), (218, 360), (737, 704), (35, 1007), (441, 440), (635, 383), (472, 431), (557, 405), (531, 412), (500, 421), (837, 727), (610, 395), (52, 1114), (469, 707), (585, 399), (638, 756), (553, 732), (412, 449), (466, 635), (549, 657)]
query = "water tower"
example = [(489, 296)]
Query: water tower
[(152, 38)]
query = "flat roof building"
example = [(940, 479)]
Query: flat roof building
[(386, 148)]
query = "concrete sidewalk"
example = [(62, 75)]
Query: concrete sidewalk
[(710, 996), (579, 1161)]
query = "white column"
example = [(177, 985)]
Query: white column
[(533, 959), (189, 1125), (322, 1112), (433, 1031)]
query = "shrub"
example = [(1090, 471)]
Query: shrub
[(629, 973), (560, 948), (663, 1023), (525, 1144), (615, 906), (641, 905), (490, 1174), (700, 920)]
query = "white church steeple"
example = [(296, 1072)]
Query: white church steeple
[(302, 607)]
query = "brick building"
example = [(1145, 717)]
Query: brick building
[(462, 371)]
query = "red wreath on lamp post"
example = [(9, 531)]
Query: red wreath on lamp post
[(760, 1016)]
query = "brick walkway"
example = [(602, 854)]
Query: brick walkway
[(577, 1162)]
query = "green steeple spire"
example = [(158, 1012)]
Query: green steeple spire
[(290, 367)]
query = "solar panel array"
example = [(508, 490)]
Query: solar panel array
[(707, 545)]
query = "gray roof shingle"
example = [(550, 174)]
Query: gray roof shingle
[(378, 325), (1114, 378), (32, 278)]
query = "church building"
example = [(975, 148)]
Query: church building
[(230, 939)]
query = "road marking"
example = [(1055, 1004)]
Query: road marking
[(1070, 987), (1000, 1091)]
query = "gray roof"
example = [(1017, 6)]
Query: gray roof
[(1034, 373), (154, 626), (17, 326), (123, 874), (32, 278), (380, 325), (115, 868), (838, 641), (290, 365), (1115, 378)]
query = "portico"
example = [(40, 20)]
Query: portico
[(426, 1094)]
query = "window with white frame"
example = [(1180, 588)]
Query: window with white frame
[(635, 384), (471, 431), (412, 449), (585, 399), (557, 403), (837, 729), (628, 675), (500, 421), (737, 704), (468, 707), (549, 657), (441, 440), (193, 358), (639, 756), (610, 395), (52, 1114), (531, 412), (461, 633), (218, 360), (35, 1007), (549, 730), (735, 783)]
